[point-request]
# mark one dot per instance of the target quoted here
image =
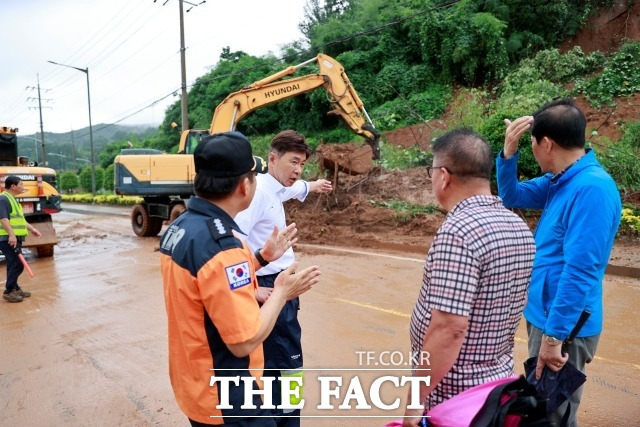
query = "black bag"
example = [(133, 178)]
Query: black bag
[(517, 403)]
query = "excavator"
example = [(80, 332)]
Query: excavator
[(41, 197), (165, 181)]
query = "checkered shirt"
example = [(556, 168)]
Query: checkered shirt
[(479, 266)]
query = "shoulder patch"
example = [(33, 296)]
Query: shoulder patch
[(238, 275), (219, 229)]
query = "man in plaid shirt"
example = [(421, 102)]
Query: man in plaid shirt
[(475, 279)]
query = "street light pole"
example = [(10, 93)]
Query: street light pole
[(93, 159)]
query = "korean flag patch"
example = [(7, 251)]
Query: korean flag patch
[(238, 275)]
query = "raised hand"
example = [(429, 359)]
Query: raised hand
[(293, 283), (279, 242), (320, 186), (514, 131)]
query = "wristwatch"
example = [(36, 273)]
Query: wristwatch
[(263, 262), (552, 341)]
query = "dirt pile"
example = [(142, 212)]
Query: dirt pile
[(354, 214), (607, 30)]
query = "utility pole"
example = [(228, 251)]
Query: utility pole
[(183, 66), (44, 153)]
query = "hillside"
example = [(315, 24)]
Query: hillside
[(366, 211), (76, 143)]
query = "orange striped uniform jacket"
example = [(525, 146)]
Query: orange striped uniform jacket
[(209, 289)]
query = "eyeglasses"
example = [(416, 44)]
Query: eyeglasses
[(437, 167)]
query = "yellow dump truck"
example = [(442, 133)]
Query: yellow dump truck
[(41, 197), (165, 181)]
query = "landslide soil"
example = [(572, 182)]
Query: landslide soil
[(353, 216), (354, 213)]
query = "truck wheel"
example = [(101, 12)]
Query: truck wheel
[(176, 211), (142, 223), (45, 251)]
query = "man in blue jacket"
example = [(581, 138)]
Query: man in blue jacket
[(581, 213)]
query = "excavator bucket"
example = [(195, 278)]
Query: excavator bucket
[(43, 245), (346, 158)]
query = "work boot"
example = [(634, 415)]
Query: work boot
[(13, 296), (23, 294)]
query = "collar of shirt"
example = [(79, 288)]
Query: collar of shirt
[(556, 177), (273, 185), (477, 200), (204, 207)]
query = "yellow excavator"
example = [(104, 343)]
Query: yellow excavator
[(41, 197), (165, 181)]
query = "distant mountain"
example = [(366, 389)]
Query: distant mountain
[(76, 143)]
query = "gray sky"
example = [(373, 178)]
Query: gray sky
[(131, 48)]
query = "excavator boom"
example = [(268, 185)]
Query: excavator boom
[(332, 77)]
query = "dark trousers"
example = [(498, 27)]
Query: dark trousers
[(283, 351), (581, 352), (14, 266)]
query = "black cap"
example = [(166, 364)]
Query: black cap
[(226, 155)]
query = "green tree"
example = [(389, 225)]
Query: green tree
[(69, 182), (109, 177), (85, 178)]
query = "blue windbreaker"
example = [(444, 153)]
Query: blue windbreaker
[(574, 238)]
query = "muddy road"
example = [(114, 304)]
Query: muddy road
[(89, 346)]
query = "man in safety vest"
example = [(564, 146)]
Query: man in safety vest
[(12, 233)]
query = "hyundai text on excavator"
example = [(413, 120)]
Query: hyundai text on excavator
[(41, 197), (165, 181)]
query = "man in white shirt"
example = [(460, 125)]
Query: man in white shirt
[(287, 156)]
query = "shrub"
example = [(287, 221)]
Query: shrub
[(69, 181), (110, 199), (561, 68), (467, 109), (620, 77), (85, 178), (415, 109), (621, 161), (108, 180), (403, 158), (630, 220), (404, 211)]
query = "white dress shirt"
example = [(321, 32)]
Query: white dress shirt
[(265, 211)]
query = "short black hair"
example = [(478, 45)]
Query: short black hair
[(290, 140), (561, 121), (464, 153), (218, 188), (11, 180)]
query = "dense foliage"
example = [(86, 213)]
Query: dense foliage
[(403, 59), (484, 60)]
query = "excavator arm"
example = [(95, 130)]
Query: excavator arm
[(344, 99)]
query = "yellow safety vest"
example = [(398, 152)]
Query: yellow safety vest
[(16, 217)]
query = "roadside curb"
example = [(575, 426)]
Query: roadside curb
[(623, 270), (121, 211)]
